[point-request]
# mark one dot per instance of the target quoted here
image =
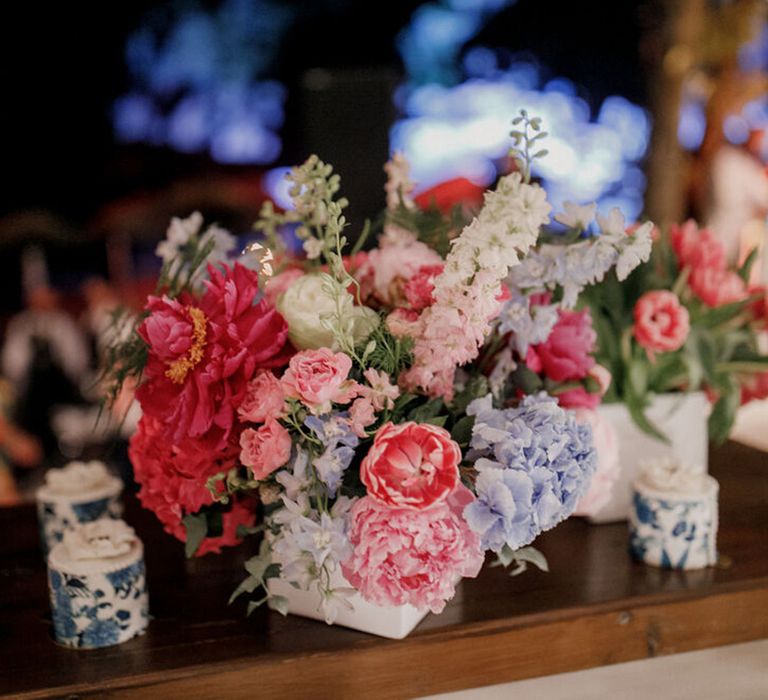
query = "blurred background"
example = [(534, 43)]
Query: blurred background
[(121, 116)]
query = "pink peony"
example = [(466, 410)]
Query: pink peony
[(697, 248), (418, 289), (361, 415), (172, 481), (716, 287), (318, 378), (202, 355), (411, 465), (265, 449), (263, 399), (608, 468), (404, 556), (579, 397), (566, 354), (661, 322)]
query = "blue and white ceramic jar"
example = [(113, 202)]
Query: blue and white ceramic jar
[(673, 521), (98, 585), (79, 492)]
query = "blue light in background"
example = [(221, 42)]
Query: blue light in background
[(199, 81), (456, 114)]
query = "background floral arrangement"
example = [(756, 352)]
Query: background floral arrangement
[(397, 411), (685, 321)]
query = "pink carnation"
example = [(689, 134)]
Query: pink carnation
[(411, 465), (318, 378), (263, 399), (418, 289), (566, 354), (265, 449), (661, 322), (404, 556), (172, 482), (716, 287)]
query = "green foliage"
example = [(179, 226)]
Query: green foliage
[(521, 558), (525, 148), (430, 225), (720, 347)]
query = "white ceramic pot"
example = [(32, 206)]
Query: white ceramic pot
[(682, 418), (392, 623)]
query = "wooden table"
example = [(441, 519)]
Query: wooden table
[(595, 607)]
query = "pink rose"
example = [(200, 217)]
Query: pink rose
[(607, 446), (418, 289), (716, 287), (411, 465), (318, 378), (404, 556), (566, 354), (696, 247), (661, 322), (265, 449), (361, 415), (263, 399)]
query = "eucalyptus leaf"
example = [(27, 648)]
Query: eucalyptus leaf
[(278, 603), (196, 525)]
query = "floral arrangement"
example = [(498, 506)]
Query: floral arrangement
[(388, 414), (685, 321)]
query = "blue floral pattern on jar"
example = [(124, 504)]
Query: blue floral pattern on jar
[(99, 610), (55, 518), (673, 533)]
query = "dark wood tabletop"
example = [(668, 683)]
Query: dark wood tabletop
[(595, 607)]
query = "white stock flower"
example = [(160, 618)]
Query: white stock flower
[(577, 216)]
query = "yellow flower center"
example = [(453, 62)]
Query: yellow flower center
[(177, 372)]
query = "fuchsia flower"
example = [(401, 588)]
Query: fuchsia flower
[(318, 378), (265, 449), (661, 322), (566, 354), (411, 556), (263, 400), (418, 289), (411, 465), (203, 354)]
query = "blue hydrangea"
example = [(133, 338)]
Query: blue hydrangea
[(534, 463)]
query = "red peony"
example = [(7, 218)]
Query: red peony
[(411, 465), (172, 480), (203, 354), (566, 354), (661, 321)]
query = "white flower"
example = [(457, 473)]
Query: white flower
[(313, 247), (577, 216), (399, 185), (309, 307), (636, 250), (178, 235), (613, 225)]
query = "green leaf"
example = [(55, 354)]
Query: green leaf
[(196, 526), (746, 267), (279, 604), (529, 555), (462, 430), (248, 585), (724, 411), (439, 421), (641, 420), (476, 387), (245, 530), (638, 377), (526, 379), (428, 410), (257, 566)]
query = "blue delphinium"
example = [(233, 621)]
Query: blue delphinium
[(534, 462), (334, 431), (529, 324)]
